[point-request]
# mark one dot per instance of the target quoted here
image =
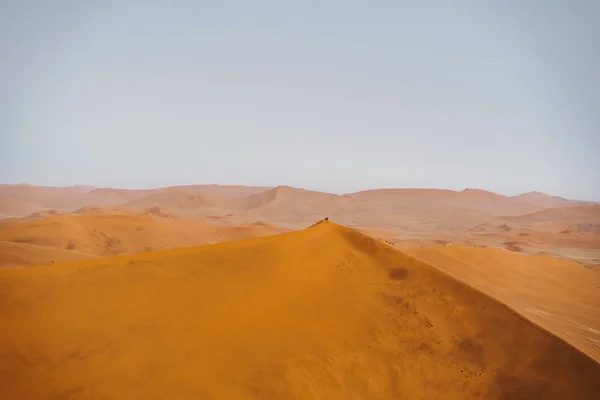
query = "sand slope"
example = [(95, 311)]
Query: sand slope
[(324, 313), (25, 255), (560, 295)]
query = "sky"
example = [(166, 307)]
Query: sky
[(332, 95)]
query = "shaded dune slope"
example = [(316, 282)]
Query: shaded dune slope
[(261, 199), (559, 295), (325, 312)]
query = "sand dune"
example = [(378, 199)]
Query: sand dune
[(416, 209), (294, 206), (544, 200), (159, 212), (571, 219), (116, 210), (100, 234), (487, 227), (193, 196), (559, 295), (474, 200), (44, 214), (46, 197), (412, 217), (37, 198), (104, 197), (321, 313), (183, 202), (14, 255), (11, 207), (585, 213), (61, 198), (398, 209), (261, 199), (222, 190), (198, 199)]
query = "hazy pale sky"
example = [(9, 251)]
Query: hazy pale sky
[(328, 95)]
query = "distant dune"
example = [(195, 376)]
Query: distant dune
[(97, 233), (14, 255), (321, 313), (115, 210), (223, 190), (428, 210), (412, 217), (113, 197), (58, 198), (261, 199), (468, 199), (544, 200), (176, 200), (23, 200), (291, 205), (421, 209), (581, 213), (14, 207), (487, 227), (44, 214)]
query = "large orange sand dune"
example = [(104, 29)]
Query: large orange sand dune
[(323, 313)]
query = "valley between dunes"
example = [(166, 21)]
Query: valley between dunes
[(321, 313)]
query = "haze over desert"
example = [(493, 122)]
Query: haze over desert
[(276, 200)]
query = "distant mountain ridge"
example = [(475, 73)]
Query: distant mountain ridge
[(412, 209)]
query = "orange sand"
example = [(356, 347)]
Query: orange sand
[(562, 296), (324, 313), (25, 254), (95, 234)]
